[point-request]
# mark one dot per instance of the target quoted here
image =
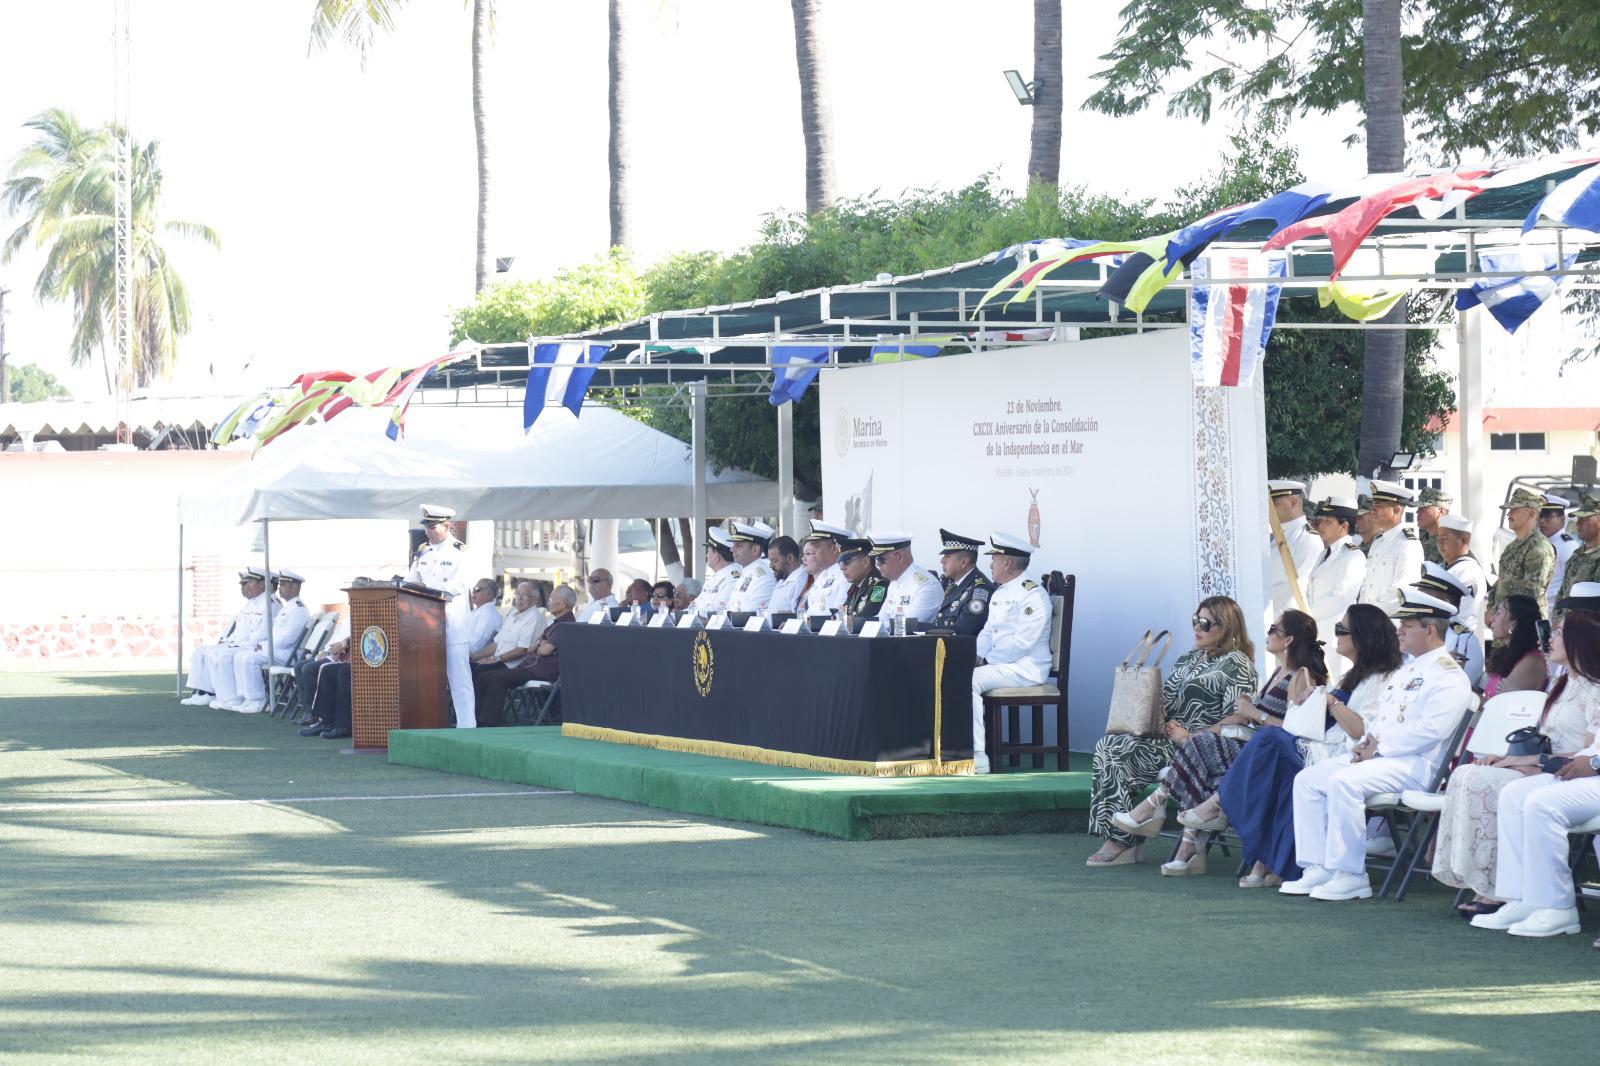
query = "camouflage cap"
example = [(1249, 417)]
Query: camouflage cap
[(1363, 504), (1524, 498), (1588, 507), (1432, 497)]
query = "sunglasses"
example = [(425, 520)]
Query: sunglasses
[(592, 580), (1274, 630), (1204, 625), (1340, 629)]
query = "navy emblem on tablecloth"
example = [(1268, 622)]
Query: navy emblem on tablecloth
[(703, 662)]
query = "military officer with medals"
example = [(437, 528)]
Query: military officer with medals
[(964, 606), (867, 590), (829, 589), (211, 666), (288, 623), (441, 565), (1288, 501), (1335, 578), (1395, 559), (1553, 524), (1584, 564), (1526, 563), (754, 591), (722, 575), (1014, 647), (1406, 739), (1462, 641), (913, 592)]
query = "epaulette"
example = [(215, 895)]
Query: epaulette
[(1409, 533), (1029, 583), (1446, 660), (921, 577), (1352, 545), (1567, 536)]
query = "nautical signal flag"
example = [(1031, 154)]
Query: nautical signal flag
[(1229, 324), (560, 374), (1513, 300), (795, 366)]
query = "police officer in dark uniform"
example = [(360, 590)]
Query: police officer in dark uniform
[(965, 607), (868, 589)]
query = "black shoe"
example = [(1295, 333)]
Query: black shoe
[(335, 734), (306, 719), (312, 730)]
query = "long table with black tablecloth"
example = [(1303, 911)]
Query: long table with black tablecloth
[(837, 704)]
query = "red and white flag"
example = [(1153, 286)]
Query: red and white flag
[(1229, 324)]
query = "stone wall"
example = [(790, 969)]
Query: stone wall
[(144, 641)]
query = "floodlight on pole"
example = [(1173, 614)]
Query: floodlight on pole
[(502, 264), (1022, 89), (1402, 460)]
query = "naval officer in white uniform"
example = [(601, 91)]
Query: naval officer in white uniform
[(211, 666), (288, 623), (1288, 500), (1395, 558), (1417, 713), (722, 574), (913, 591), (753, 593), (441, 565), (1014, 646), (829, 589), (1553, 524), (1335, 577)]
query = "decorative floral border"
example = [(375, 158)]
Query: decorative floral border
[(1216, 566)]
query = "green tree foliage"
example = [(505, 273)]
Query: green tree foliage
[(601, 292), (30, 383), (1515, 76), (63, 187)]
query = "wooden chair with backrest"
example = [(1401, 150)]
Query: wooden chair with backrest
[(1036, 698)]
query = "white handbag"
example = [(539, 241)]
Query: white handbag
[(1136, 707), (1309, 717)]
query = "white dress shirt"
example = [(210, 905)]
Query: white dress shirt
[(521, 629), (786, 594), (483, 624)]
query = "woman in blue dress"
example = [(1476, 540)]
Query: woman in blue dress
[(1256, 794)]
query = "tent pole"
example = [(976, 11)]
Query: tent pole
[(697, 436), (179, 669), (266, 564), (786, 469), (1469, 414)]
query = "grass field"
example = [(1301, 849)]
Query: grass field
[(179, 885)]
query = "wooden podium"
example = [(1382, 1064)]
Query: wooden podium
[(397, 673)]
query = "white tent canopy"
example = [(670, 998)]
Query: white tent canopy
[(478, 461)]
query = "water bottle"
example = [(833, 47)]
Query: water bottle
[(638, 615), (899, 626)]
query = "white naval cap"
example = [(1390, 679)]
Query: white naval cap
[(433, 514), (1552, 501), (1285, 487), (289, 575), (1459, 523), (825, 531), (717, 537), (886, 541), (1339, 507), (252, 572), (1582, 596), (1009, 545), (1434, 574), (1389, 492), (752, 532), (1419, 604)]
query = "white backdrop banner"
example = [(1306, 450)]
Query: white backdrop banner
[(1103, 453)]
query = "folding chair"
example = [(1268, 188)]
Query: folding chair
[(282, 690), (1422, 821), (532, 699), (1053, 693), (1582, 838)]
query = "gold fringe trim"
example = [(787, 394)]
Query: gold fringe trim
[(769, 757), (938, 701)]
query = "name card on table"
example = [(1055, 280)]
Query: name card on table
[(657, 620), (600, 617), (833, 627), (718, 621), (794, 625), (756, 623), (870, 629), (688, 621), (625, 618)]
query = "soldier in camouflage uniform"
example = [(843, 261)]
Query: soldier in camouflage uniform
[(1527, 562), (1584, 564), (867, 587), (1363, 524), (1432, 504)]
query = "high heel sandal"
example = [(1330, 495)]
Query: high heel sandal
[(1193, 866), (1255, 880), (1204, 825), (1125, 857), (1151, 826)]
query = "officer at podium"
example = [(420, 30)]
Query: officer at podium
[(441, 565)]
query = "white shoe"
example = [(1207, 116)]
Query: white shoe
[(980, 763), (1547, 921), (250, 706), (1314, 876), (1504, 918), (1344, 886), (198, 699), (225, 705)]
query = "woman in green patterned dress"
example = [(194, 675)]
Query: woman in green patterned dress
[(1199, 692)]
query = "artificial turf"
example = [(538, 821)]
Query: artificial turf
[(547, 927), (841, 805)]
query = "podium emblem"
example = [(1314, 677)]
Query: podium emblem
[(374, 646), (703, 662)]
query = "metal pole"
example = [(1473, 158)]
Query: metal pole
[(1469, 337), (180, 611), (697, 437), (266, 563), (786, 469)]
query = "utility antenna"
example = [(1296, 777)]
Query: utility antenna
[(122, 326)]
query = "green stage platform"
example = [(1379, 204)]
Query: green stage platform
[(838, 805)]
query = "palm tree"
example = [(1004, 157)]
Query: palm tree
[(617, 99), (816, 119), (358, 22), (1383, 372), (1044, 155), (63, 185)]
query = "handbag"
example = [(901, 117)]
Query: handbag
[(1309, 717), (1136, 707)]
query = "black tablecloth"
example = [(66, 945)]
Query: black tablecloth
[(833, 697)]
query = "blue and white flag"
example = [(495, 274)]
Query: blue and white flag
[(560, 375), (1574, 203), (1512, 300), (794, 367)]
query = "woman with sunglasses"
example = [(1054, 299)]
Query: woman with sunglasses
[(1202, 689), (1200, 762), (1464, 856)]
